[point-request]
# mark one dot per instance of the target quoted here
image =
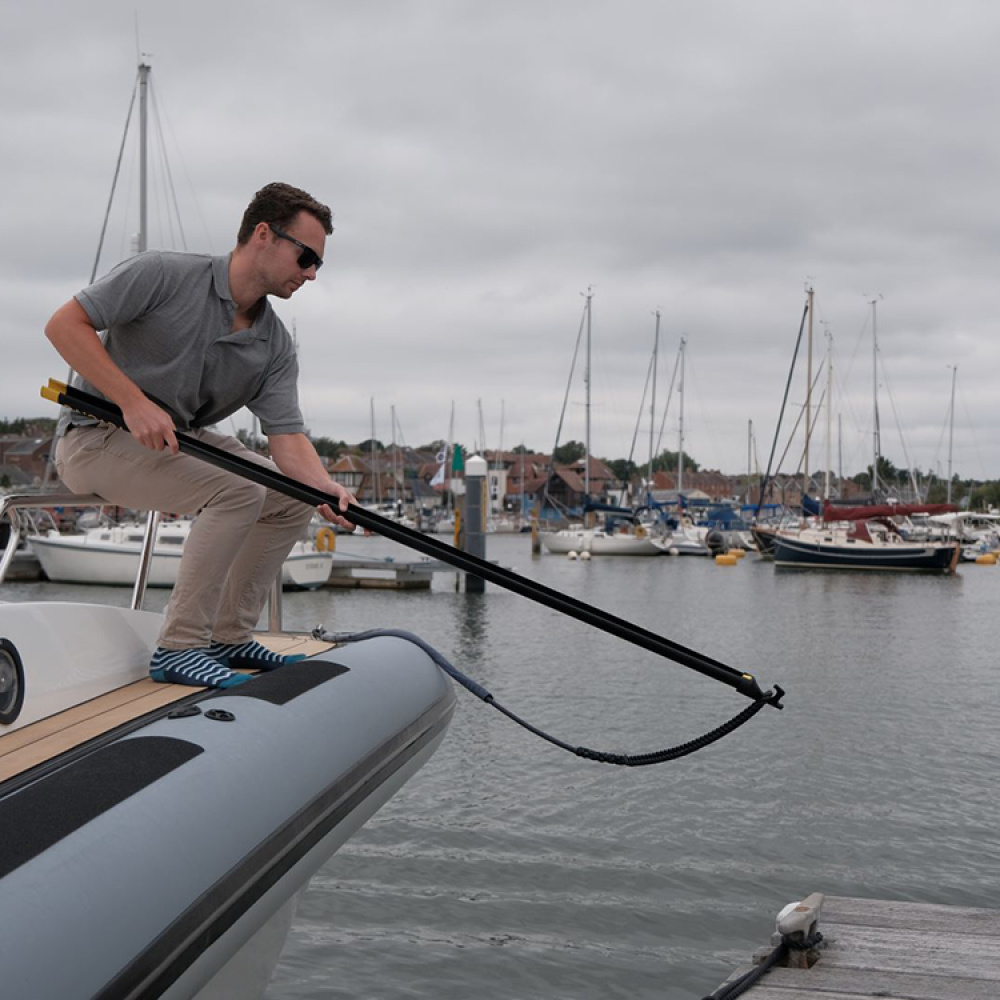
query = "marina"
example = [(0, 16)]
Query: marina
[(350, 823), (508, 869)]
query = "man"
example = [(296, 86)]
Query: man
[(190, 340)]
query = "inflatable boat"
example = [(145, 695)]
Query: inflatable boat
[(155, 837)]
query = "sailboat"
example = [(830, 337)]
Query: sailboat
[(630, 537), (868, 537), (157, 836)]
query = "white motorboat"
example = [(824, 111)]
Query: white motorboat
[(156, 836), (109, 555), (689, 539), (978, 532)]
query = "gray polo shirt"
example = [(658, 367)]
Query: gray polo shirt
[(169, 319)]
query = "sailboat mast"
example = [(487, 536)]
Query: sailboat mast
[(586, 380), (449, 457), (829, 412), (809, 378), (680, 445), (652, 404), (395, 459), (375, 492), (499, 464), (875, 429), (143, 200), (951, 427)]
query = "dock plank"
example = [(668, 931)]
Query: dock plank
[(910, 916), (46, 739), (818, 983), (886, 948)]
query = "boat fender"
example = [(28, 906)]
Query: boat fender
[(716, 541)]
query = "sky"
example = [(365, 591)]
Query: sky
[(487, 164)]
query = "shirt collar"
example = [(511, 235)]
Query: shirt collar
[(261, 329)]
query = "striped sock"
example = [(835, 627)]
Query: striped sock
[(250, 655), (196, 667)]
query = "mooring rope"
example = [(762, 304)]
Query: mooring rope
[(739, 986), (623, 760)]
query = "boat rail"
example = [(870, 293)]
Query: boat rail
[(12, 504)]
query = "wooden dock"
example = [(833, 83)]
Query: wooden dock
[(880, 948), (385, 574)]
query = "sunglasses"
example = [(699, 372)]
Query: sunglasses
[(308, 258)]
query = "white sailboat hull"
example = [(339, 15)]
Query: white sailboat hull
[(600, 543)]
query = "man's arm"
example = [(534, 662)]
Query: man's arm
[(74, 337), (296, 457)]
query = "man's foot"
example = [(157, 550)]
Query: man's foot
[(196, 667), (250, 655)]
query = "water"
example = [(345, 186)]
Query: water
[(510, 869)]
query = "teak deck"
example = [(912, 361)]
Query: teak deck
[(25, 748), (880, 948)]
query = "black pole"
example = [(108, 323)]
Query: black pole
[(106, 411)]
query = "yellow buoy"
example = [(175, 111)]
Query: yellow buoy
[(326, 540), (987, 559), (726, 559), (739, 553)]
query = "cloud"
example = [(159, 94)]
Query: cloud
[(487, 165)]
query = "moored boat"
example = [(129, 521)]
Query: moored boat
[(156, 836), (109, 555), (867, 545), (632, 541)]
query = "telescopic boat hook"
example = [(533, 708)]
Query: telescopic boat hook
[(746, 684)]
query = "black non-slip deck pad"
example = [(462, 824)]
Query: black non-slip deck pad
[(284, 684), (37, 817)]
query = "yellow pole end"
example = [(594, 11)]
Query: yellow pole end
[(49, 393), (58, 386)]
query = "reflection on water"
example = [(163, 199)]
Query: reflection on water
[(510, 869)]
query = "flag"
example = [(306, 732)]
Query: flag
[(457, 459), (438, 476)]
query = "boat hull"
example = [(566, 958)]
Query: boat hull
[(600, 543), (69, 559), (155, 860), (798, 553)]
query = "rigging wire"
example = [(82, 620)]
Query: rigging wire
[(546, 496), (114, 182), (642, 408), (781, 412), (666, 406), (172, 212)]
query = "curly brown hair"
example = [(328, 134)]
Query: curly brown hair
[(280, 203)]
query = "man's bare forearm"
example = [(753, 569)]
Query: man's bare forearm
[(74, 337)]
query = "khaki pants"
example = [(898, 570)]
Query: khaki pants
[(237, 544)]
